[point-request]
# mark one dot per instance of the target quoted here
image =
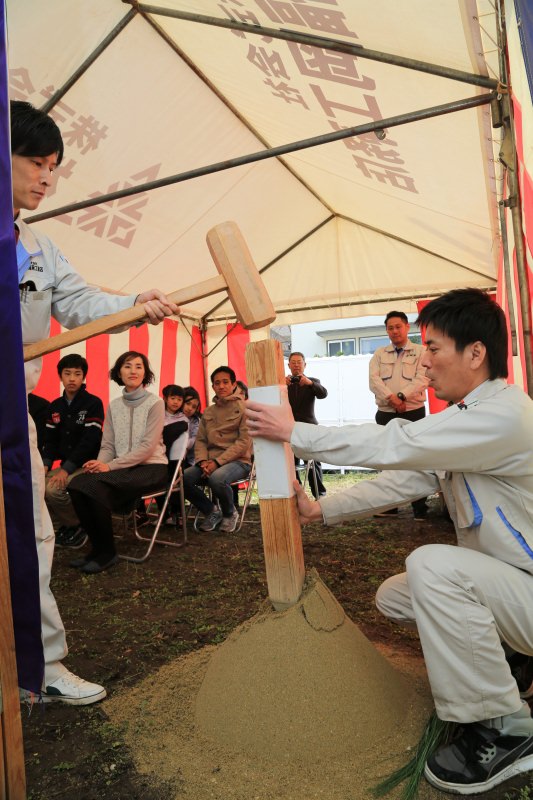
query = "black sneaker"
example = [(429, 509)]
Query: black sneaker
[(522, 672), (478, 759), (74, 537), (60, 535)]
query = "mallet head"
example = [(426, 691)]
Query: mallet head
[(246, 289)]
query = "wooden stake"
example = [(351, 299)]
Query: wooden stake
[(13, 786), (282, 535)]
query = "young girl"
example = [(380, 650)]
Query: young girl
[(191, 409), (131, 461), (173, 397), (176, 423)]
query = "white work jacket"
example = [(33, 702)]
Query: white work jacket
[(480, 454)]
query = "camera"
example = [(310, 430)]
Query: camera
[(295, 378)]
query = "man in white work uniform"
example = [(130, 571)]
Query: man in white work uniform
[(49, 286), (472, 604)]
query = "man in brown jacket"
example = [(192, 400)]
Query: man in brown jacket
[(223, 452)]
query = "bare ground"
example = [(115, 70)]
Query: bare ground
[(127, 623)]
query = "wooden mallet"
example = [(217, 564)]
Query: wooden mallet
[(238, 275)]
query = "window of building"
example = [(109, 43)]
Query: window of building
[(341, 347), (369, 344)]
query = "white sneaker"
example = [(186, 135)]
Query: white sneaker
[(74, 691), (229, 524)]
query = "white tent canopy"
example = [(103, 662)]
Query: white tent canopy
[(341, 229)]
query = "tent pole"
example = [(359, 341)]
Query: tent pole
[(508, 157), (202, 325), (76, 75), (368, 302), (508, 278), (273, 152), (516, 216), (320, 41)]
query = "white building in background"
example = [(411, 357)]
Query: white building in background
[(346, 337)]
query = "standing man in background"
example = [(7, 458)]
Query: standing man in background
[(303, 392), (398, 381)]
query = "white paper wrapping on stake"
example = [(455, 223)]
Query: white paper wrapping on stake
[(274, 465)]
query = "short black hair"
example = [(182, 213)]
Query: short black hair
[(467, 316), (227, 370), (114, 372), (399, 314), (34, 133), (73, 361), (173, 390), (297, 353)]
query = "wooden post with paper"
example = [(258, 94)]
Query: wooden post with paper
[(12, 775), (282, 535)]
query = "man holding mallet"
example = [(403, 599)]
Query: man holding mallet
[(49, 286), (472, 604)]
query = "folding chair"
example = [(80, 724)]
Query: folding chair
[(307, 466), (176, 453), (248, 484)]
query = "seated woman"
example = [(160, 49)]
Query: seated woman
[(131, 461)]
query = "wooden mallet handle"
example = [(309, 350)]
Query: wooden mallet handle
[(238, 276), (121, 319)]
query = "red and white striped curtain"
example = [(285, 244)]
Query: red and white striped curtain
[(174, 349)]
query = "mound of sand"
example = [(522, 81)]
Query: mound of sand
[(293, 705)]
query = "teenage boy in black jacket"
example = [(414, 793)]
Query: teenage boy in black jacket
[(73, 436)]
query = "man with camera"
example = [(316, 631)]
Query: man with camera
[(303, 392)]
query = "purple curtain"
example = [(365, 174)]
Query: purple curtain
[(16, 472), (524, 18)]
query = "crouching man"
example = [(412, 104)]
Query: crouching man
[(222, 455), (472, 604)]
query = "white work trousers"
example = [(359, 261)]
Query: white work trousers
[(52, 630), (464, 604)]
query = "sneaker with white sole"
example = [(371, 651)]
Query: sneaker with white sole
[(229, 524), (479, 759), (74, 537), (74, 691), (211, 521)]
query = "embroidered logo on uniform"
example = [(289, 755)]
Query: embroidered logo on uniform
[(35, 266), (81, 417), (56, 418)]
